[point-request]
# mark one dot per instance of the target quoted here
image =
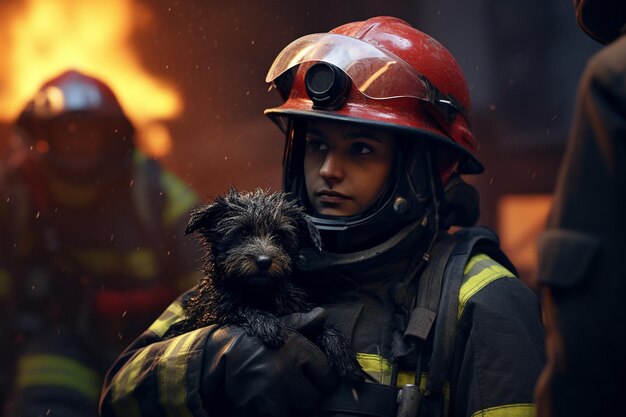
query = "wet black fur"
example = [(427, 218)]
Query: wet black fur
[(239, 231)]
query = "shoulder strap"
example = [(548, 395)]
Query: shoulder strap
[(466, 242), (438, 295), (429, 289)]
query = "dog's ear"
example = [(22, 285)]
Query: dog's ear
[(204, 218), (232, 193), (309, 231)]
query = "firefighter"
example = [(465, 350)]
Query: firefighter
[(375, 115), (580, 269), (91, 248)]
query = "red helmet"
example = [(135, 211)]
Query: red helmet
[(71, 92), (77, 124), (384, 74), (399, 78)]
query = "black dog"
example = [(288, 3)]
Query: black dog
[(251, 241)]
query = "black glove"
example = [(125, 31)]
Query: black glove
[(243, 377)]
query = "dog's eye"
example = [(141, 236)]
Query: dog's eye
[(243, 233)]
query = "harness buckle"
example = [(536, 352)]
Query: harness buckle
[(409, 398)]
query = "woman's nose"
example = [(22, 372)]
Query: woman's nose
[(331, 170)]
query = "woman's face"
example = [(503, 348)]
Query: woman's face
[(346, 167)]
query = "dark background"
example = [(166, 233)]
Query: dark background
[(522, 61)]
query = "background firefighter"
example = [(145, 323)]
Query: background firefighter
[(92, 246), (581, 252), (376, 119)]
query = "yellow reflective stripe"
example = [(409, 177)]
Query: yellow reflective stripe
[(124, 383), (58, 371), (380, 369), (172, 374), (180, 198), (5, 283), (510, 410), (98, 261), (71, 194), (142, 263), (485, 271), (376, 366), (173, 314), (474, 260)]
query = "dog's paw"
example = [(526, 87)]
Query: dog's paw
[(268, 328), (341, 356)]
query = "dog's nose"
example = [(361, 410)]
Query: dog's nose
[(263, 262)]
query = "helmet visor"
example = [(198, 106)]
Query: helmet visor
[(378, 74)]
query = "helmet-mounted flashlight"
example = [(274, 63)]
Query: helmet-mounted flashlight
[(327, 86)]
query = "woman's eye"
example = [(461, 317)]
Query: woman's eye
[(316, 145), (361, 148)]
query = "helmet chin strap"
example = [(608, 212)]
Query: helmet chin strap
[(311, 260), (435, 193)]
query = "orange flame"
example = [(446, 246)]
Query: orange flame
[(42, 38)]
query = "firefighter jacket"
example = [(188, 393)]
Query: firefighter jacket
[(85, 268), (582, 249), (498, 348)]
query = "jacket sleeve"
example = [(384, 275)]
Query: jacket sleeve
[(499, 351), (593, 165), (218, 371), (156, 376)]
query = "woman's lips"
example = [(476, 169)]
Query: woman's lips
[(331, 197)]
